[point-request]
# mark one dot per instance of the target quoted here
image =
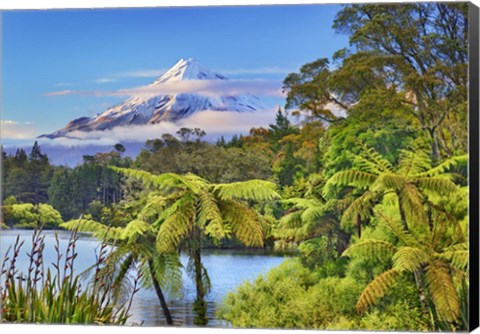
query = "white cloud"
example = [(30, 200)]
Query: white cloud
[(261, 70), (215, 124), (17, 130), (205, 87), (104, 80), (60, 93), (64, 84)]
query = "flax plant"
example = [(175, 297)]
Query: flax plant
[(56, 295)]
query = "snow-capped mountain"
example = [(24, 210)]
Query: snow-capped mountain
[(154, 108)]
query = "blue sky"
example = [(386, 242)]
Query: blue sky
[(107, 49)]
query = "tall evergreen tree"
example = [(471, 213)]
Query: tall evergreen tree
[(40, 172)]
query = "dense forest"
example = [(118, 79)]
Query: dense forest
[(372, 200)]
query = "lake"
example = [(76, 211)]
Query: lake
[(227, 270)]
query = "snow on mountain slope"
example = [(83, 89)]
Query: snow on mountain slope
[(142, 109)]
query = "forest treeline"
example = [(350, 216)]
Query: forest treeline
[(365, 178)]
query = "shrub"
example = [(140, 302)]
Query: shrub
[(27, 215)]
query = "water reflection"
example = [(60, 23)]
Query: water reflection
[(227, 270)]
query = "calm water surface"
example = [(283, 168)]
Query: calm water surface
[(227, 270)]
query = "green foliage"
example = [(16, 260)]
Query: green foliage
[(425, 253), (31, 216), (57, 297), (191, 207), (26, 177), (135, 250), (409, 47), (374, 177), (231, 164), (290, 296)]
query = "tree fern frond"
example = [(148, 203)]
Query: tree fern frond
[(367, 166), (372, 155), (168, 271), (176, 225), (414, 161), (313, 214), (361, 206), (256, 190), (371, 248), (354, 178), (388, 181), (444, 166), (146, 177), (291, 220), (244, 222), (458, 258), (398, 231), (302, 203), (134, 229), (377, 289), (172, 181), (98, 230), (209, 217), (439, 185), (409, 259), (120, 278), (155, 204), (412, 204), (442, 290)]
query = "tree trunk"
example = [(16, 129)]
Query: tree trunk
[(417, 273), (403, 218), (200, 306), (435, 145), (359, 226), (421, 292), (161, 298)]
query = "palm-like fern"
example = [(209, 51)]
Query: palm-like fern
[(307, 218), (421, 228), (413, 181), (134, 249), (438, 264), (191, 207)]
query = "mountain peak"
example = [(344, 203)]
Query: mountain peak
[(188, 69), (142, 110)]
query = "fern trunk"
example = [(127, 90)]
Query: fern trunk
[(421, 291), (359, 226), (200, 306), (161, 297), (403, 217), (417, 273)]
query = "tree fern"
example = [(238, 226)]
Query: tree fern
[(255, 190), (146, 177), (409, 259), (438, 185), (134, 229), (244, 223), (209, 216), (360, 206), (414, 161), (444, 166), (412, 204), (371, 248), (177, 225), (458, 256), (377, 289), (98, 230), (351, 177), (442, 290), (371, 155)]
